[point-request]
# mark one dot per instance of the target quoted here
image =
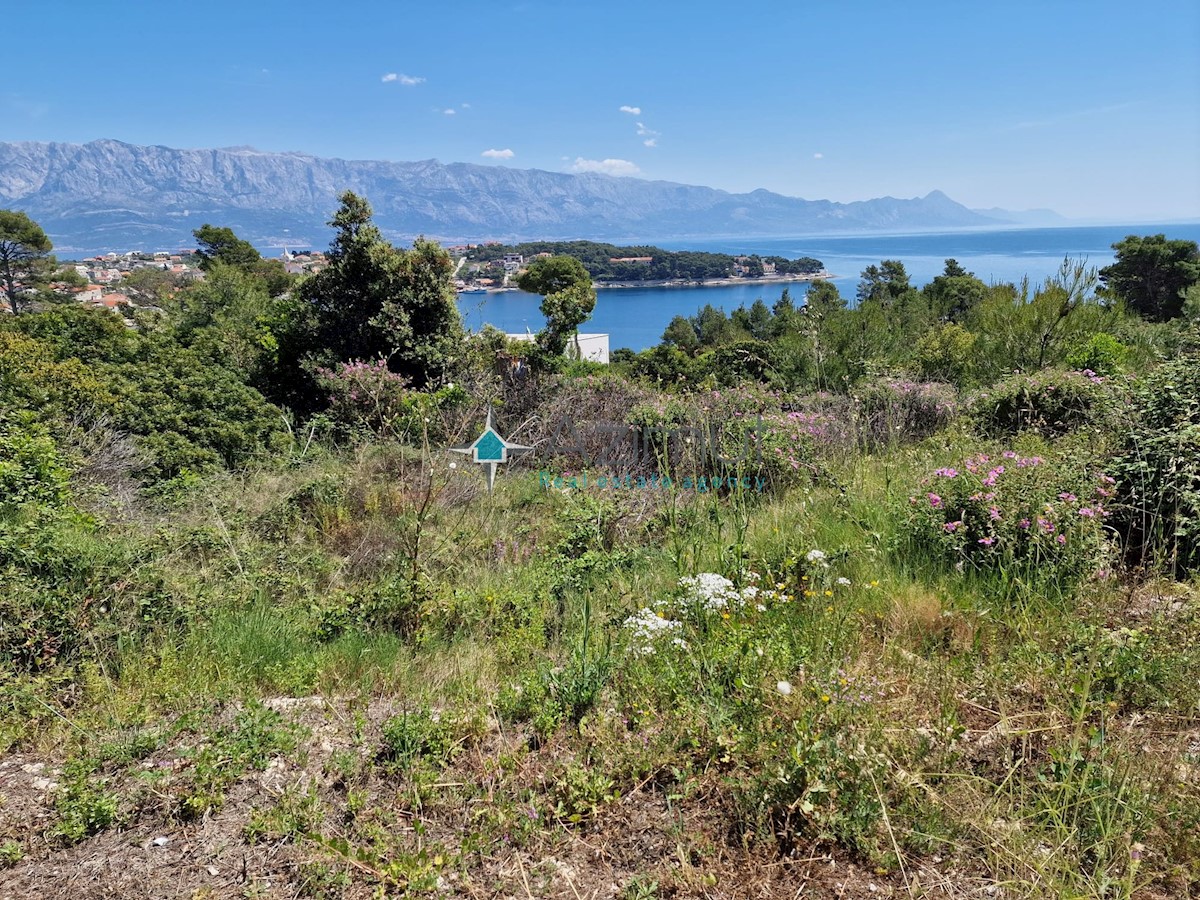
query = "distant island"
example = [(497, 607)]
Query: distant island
[(491, 266)]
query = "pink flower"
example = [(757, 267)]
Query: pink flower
[(934, 500), (1087, 512), (1069, 497), (987, 541), (993, 513), (951, 527), (1024, 523), (1062, 538), (948, 472)]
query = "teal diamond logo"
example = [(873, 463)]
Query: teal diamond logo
[(490, 450)]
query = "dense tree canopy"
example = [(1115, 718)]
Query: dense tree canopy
[(376, 301), (1152, 274), (221, 245)]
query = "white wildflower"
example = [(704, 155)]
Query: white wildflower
[(784, 687), (814, 556), (710, 590), (646, 627), (844, 582)]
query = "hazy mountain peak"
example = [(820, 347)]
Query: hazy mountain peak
[(108, 193)]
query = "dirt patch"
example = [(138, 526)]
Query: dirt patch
[(484, 825)]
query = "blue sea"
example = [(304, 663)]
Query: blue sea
[(636, 318)]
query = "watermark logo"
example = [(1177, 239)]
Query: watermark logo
[(490, 450)]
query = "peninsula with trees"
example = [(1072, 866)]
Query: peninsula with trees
[(612, 266)]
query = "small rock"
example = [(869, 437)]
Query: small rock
[(213, 871), (160, 841)]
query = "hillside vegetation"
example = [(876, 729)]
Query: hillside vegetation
[(892, 600)]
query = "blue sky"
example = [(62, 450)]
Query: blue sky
[(1088, 108)]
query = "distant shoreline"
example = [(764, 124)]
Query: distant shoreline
[(683, 283), (711, 282)]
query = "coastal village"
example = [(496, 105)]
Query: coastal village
[(104, 281)]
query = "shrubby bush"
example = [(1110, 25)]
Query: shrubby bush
[(368, 398), (1158, 468), (32, 468), (1101, 353), (893, 410), (1039, 515), (1052, 403)]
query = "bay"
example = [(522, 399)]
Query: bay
[(636, 317)]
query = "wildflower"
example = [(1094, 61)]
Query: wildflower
[(1087, 512), (844, 582), (948, 472), (824, 698), (1024, 523), (1062, 538), (829, 593), (454, 465), (815, 556), (874, 584), (987, 541), (993, 513), (784, 687), (951, 527), (934, 500), (1067, 496)]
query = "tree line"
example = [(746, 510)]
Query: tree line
[(609, 262)]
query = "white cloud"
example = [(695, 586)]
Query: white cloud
[(605, 166), (498, 154), (390, 76), (632, 110), (406, 80), (449, 112), (466, 106), (651, 142), (643, 131), (818, 156)]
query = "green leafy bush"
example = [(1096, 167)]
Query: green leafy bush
[(1102, 354), (1158, 468), (1051, 402), (32, 469)]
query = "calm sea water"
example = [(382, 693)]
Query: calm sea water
[(636, 317)]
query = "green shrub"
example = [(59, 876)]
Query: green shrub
[(1102, 354), (32, 468), (1051, 402), (1158, 468)]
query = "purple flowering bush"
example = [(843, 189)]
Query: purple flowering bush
[(368, 397), (1014, 511), (894, 409), (1050, 402)]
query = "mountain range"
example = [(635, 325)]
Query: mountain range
[(114, 195)]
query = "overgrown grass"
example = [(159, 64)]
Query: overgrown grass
[(880, 700)]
